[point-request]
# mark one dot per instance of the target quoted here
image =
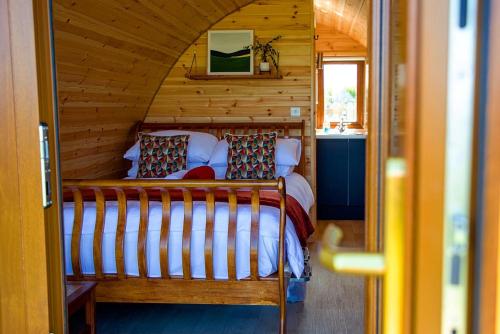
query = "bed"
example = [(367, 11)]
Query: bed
[(190, 241)]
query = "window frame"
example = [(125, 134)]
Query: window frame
[(360, 94)]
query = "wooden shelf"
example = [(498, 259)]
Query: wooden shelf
[(235, 77)]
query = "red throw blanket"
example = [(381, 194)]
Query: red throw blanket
[(294, 211)]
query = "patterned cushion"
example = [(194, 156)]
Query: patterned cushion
[(162, 155), (251, 157)]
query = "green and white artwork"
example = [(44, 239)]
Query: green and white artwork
[(228, 52)]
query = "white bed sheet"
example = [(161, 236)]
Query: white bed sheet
[(297, 187)]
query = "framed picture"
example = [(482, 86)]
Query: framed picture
[(228, 53)]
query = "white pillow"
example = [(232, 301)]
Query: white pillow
[(132, 172), (200, 145), (219, 154), (177, 175), (174, 176), (287, 153), (220, 172), (281, 170)]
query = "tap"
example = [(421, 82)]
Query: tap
[(342, 124)]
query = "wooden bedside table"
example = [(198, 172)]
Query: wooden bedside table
[(81, 295)]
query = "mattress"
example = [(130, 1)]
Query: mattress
[(297, 187)]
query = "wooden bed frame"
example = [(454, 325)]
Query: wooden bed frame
[(120, 287)]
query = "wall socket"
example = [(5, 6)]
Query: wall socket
[(295, 111)]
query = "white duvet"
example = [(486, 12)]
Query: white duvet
[(296, 186)]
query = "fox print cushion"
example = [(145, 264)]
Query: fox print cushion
[(251, 156), (162, 155)]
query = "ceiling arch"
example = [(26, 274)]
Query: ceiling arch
[(349, 17), (111, 57)]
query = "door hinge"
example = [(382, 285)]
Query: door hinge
[(43, 130)]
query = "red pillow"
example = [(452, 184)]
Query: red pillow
[(200, 173)]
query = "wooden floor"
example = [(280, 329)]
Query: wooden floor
[(334, 304), (353, 232)]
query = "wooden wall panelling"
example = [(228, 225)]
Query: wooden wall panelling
[(182, 100), (336, 44), (111, 58)]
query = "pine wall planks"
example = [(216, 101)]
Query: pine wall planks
[(111, 57), (182, 100), (333, 43)]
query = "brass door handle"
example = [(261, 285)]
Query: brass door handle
[(390, 263), (357, 263)]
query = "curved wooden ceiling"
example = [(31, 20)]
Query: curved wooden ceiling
[(349, 17), (112, 57)]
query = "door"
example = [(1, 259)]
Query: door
[(420, 172), (31, 281)]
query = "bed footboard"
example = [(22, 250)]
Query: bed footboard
[(184, 289)]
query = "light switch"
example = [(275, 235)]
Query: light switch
[(295, 111)]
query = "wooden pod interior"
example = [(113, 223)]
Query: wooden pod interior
[(120, 62)]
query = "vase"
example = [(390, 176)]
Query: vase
[(264, 67)]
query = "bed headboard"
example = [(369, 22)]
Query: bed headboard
[(284, 129)]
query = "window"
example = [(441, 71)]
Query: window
[(341, 94)]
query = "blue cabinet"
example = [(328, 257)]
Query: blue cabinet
[(341, 178)]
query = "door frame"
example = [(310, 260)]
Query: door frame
[(47, 87), (23, 280), (486, 269), (427, 87), (31, 280), (424, 105), (376, 150)]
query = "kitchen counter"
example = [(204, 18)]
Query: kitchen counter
[(347, 134)]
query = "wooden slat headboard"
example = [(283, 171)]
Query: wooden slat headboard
[(284, 129)]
